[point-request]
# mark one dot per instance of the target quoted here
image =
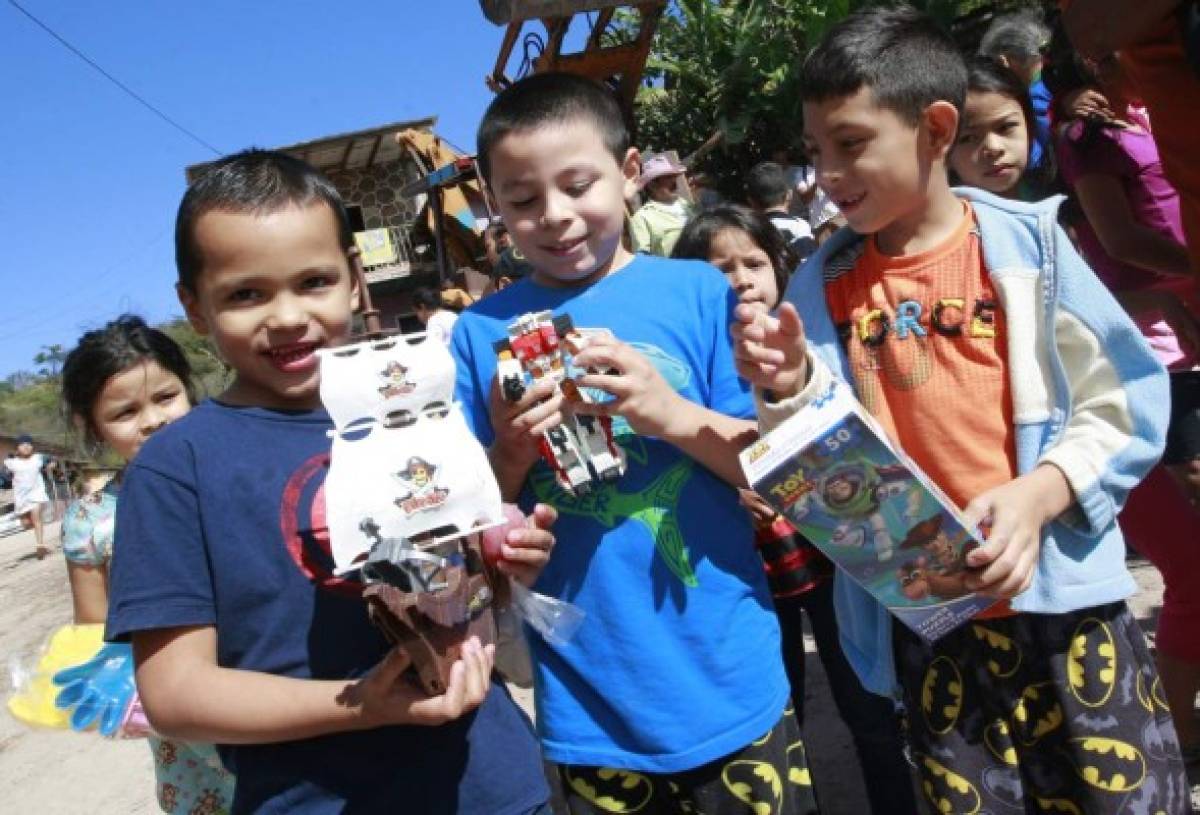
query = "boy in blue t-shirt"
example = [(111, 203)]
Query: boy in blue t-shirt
[(671, 696), (222, 575)]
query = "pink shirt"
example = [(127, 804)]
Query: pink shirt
[(1132, 157)]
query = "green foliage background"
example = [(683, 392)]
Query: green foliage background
[(732, 66), (30, 399), (727, 66)]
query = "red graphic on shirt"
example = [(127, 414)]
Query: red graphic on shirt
[(307, 539)]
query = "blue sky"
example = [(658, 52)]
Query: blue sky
[(89, 179)]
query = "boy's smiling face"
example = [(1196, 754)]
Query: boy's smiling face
[(874, 165), (562, 196), (274, 288)]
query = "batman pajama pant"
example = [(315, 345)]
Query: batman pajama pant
[(767, 777), (1041, 713)]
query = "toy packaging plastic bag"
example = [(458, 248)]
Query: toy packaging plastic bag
[(556, 621), (831, 471), (79, 682)]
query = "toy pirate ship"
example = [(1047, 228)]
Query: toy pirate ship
[(408, 487), (581, 451)]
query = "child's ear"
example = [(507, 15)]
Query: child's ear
[(941, 126), (357, 276), (631, 171), (191, 307)]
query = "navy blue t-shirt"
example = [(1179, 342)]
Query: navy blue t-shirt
[(221, 522)]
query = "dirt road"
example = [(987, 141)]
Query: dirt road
[(53, 771), (58, 772)]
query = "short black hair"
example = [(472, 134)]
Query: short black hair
[(426, 297), (905, 59), (766, 185), (1066, 69), (252, 181), (695, 241), (106, 352), (550, 99)]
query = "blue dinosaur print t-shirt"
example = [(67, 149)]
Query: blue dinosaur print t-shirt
[(677, 662)]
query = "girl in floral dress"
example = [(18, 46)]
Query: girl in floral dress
[(121, 383)]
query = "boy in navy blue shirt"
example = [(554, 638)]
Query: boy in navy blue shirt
[(222, 574), (671, 697)]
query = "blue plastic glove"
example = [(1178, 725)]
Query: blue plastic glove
[(101, 689)]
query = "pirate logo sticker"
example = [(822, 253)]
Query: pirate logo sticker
[(395, 381), (423, 492)]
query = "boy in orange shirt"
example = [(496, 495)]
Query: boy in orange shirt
[(973, 332)]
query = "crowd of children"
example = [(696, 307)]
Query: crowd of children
[(1063, 417), (1030, 384), (753, 254)]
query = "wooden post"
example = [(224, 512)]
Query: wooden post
[(372, 326), (439, 238)]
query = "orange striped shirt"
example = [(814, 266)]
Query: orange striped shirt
[(925, 336)]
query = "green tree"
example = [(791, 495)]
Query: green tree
[(723, 76), (209, 369), (50, 358), (34, 409), (30, 401), (727, 70), (19, 379)]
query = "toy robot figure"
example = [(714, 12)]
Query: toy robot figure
[(854, 493), (581, 451)]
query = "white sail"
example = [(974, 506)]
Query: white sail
[(404, 461), (378, 378)]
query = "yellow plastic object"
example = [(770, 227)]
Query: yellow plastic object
[(32, 702)]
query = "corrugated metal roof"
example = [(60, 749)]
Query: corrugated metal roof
[(345, 151)]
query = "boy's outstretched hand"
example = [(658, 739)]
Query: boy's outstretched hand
[(384, 697), (761, 513), (1014, 514), (640, 395), (771, 352)]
